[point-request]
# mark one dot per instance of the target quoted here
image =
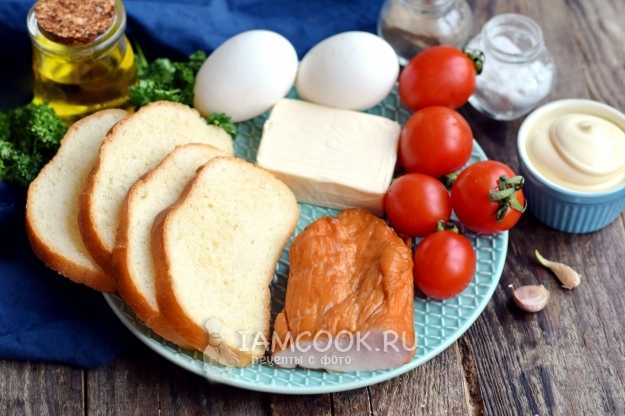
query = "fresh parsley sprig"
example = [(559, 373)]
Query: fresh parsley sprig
[(223, 121), (29, 137), (164, 79)]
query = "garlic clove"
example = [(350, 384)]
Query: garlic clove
[(531, 298), (568, 277)]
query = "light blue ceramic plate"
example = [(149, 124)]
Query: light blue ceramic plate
[(437, 324)]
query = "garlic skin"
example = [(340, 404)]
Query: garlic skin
[(531, 298), (568, 277)]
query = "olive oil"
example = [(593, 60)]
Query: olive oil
[(77, 80)]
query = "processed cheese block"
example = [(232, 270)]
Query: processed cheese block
[(330, 157)]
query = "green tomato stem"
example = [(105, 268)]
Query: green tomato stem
[(447, 226), (478, 59), (505, 195)]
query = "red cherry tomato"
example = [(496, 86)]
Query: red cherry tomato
[(472, 197), (435, 141), (440, 75), (415, 203), (444, 264)]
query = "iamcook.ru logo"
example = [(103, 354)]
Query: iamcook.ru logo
[(320, 349)]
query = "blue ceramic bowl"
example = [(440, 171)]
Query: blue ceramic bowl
[(558, 207)]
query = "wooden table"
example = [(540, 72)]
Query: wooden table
[(567, 360)]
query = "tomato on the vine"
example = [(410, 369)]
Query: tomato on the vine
[(488, 198), (414, 204), (440, 75), (435, 141), (444, 264)]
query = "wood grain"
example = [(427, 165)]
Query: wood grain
[(40, 389), (567, 360), (435, 388), (320, 405), (145, 384), (356, 402)]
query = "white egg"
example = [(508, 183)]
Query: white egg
[(351, 70), (246, 75)]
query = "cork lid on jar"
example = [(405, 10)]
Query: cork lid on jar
[(74, 22)]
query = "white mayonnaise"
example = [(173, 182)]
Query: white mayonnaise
[(578, 151)]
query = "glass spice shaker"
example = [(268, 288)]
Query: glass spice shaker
[(519, 71), (412, 25)]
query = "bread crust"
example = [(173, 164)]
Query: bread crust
[(125, 286), (121, 264), (193, 334), (90, 236), (96, 279), (196, 336), (129, 293), (137, 302), (88, 228), (86, 224)]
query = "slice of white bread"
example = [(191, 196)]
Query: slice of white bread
[(53, 202), (132, 148), (215, 252), (132, 257)]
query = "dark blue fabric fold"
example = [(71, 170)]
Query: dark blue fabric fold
[(45, 317)]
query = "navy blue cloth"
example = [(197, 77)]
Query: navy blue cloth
[(43, 316)]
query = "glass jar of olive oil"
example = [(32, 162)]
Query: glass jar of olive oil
[(78, 79)]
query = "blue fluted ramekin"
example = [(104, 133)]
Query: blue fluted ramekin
[(558, 207)]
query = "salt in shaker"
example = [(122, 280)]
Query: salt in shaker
[(519, 71)]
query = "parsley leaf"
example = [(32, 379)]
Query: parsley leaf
[(223, 121), (164, 79), (29, 137), (167, 80)]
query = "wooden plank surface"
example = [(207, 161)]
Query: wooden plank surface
[(567, 360), (143, 383), (436, 388), (40, 389)]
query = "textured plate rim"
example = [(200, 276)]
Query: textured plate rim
[(190, 365), (156, 346)]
